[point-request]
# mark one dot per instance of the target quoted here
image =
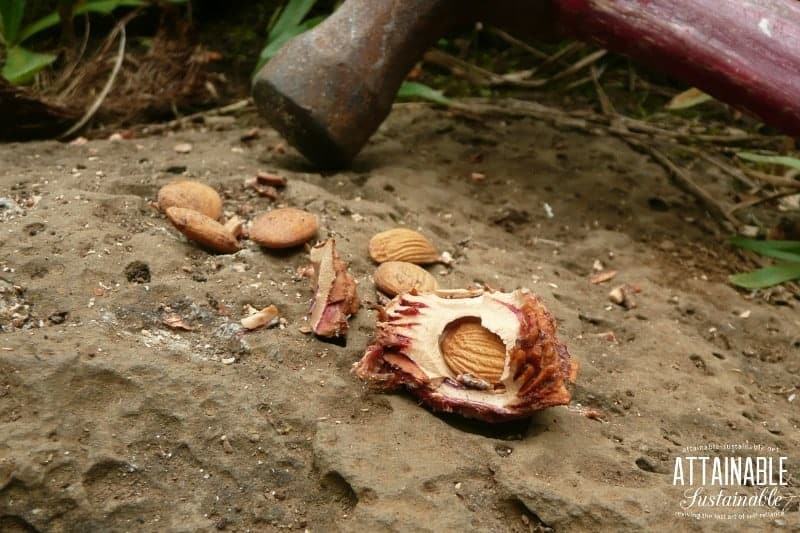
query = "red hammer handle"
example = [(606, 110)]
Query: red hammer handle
[(743, 52)]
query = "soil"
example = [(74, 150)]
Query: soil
[(112, 421)]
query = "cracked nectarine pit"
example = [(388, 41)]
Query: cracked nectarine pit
[(488, 355)]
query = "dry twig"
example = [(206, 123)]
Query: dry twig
[(685, 182), (110, 83), (217, 111), (513, 41)]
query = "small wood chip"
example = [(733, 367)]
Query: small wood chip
[(622, 296), (268, 178), (266, 317), (607, 336), (267, 191), (175, 321), (235, 226), (250, 135), (602, 277)]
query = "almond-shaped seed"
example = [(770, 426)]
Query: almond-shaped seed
[(397, 277), (402, 244), (205, 231), (284, 228), (469, 348), (191, 195)]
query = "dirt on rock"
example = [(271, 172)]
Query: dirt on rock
[(112, 421)]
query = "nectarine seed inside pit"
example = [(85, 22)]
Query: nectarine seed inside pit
[(470, 348)]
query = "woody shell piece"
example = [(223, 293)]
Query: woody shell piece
[(335, 292), (492, 356)]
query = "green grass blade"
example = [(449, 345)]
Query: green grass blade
[(791, 162), (786, 250), (291, 16), (104, 7), (272, 48), (22, 65), (767, 277), (756, 244), (107, 6), (794, 257), (412, 89), (40, 25), (11, 12)]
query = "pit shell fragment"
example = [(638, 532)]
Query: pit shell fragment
[(335, 293), (408, 351)]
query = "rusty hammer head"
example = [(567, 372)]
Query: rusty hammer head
[(329, 89)]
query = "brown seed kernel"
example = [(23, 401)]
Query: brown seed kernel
[(396, 277), (470, 348), (402, 244), (203, 230), (284, 228), (190, 195)]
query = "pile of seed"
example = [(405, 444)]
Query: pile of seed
[(195, 209)]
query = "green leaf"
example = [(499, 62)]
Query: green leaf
[(767, 277), (22, 64), (272, 47), (11, 12), (786, 250), (42, 24), (291, 16), (104, 7), (791, 162), (412, 89)]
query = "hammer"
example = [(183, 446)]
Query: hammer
[(328, 90)]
